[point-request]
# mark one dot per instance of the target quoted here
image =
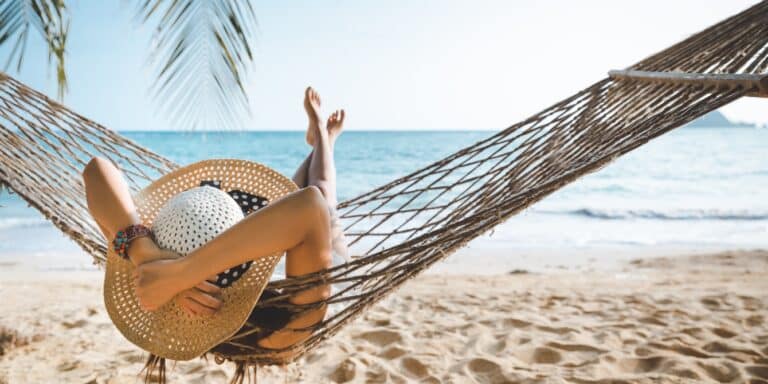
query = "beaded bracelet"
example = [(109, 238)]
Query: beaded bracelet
[(124, 238)]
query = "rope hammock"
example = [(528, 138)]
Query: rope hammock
[(400, 229)]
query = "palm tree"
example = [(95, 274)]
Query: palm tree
[(201, 52)]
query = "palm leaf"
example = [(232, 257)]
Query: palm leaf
[(202, 53), (50, 18)]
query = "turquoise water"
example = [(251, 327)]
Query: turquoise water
[(694, 188), (363, 159)]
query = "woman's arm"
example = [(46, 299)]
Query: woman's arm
[(110, 203)]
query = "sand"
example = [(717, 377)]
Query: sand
[(682, 319)]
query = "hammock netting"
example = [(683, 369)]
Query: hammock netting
[(399, 229)]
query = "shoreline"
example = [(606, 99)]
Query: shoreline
[(483, 257)]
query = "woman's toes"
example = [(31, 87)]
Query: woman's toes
[(315, 97)]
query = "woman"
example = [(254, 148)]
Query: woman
[(298, 224)]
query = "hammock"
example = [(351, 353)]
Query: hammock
[(400, 229)]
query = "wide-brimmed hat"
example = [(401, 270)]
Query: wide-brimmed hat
[(170, 332)]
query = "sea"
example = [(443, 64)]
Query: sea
[(693, 190)]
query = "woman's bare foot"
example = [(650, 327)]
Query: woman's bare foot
[(335, 124), (312, 106)]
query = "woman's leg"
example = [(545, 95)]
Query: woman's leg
[(318, 170), (333, 128), (301, 175), (321, 170)]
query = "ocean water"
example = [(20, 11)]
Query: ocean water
[(699, 189)]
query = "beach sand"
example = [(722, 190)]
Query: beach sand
[(682, 319)]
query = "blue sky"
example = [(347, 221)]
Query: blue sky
[(399, 64)]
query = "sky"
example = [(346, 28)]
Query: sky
[(398, 64)]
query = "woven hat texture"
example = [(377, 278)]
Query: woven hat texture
[(168, 206)]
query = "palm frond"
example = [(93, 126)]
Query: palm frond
[(202, 53), (50, 18)]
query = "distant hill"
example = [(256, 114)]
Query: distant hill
[(717, 119)]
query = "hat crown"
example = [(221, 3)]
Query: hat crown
[(194, 217)]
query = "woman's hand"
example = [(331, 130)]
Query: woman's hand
[(202, 300)]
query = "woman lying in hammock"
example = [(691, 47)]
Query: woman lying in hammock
[(298, 224)]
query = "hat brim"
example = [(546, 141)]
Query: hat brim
[(170, 332)]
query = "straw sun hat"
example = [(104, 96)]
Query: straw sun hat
[(185, 209)]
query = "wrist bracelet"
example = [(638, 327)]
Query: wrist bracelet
[(124, 238)]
